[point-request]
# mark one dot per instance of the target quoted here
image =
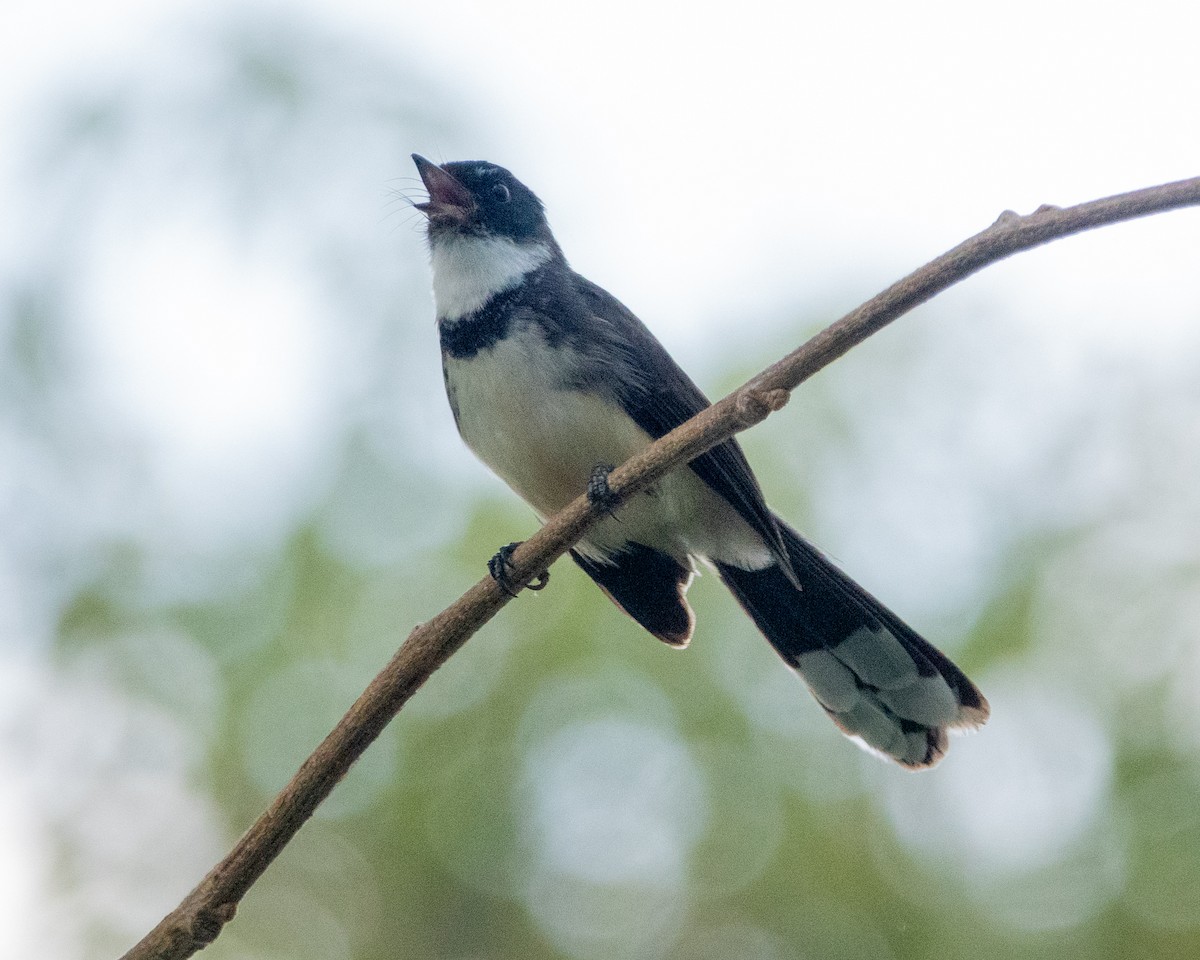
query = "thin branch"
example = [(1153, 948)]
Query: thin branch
[(198, 920)]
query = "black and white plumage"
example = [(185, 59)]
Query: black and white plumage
[(549, 377)]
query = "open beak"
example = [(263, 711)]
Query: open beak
[(449, 201)]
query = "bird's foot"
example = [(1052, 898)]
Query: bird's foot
[(500, 567), (598, 493)]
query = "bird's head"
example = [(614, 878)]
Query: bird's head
[(487, 233), (479, 199)]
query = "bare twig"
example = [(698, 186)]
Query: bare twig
[(198, 920)]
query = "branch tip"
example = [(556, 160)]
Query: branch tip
[(207, 924), (777, 399), (754, 405)]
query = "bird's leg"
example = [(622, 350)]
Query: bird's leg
[(501, 564), (598, 493)]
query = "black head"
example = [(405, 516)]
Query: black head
[(478, 198)]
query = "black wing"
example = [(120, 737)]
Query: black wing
[(659, 396), (648, 585)]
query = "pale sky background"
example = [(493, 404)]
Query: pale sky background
[(763, 147), (709, 164)]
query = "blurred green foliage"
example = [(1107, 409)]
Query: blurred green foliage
[(564, 787)]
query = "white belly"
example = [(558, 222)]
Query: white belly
[(545, 440)]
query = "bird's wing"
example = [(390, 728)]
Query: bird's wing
[(657, 394)]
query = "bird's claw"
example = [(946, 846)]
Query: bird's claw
[(599, 494), (500, 567)]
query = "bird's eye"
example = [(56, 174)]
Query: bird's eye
[(501, 193)]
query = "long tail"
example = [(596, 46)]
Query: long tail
[(880, 682)]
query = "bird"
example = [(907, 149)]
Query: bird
[(552, 381)]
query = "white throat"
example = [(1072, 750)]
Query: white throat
[(468, 271)]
